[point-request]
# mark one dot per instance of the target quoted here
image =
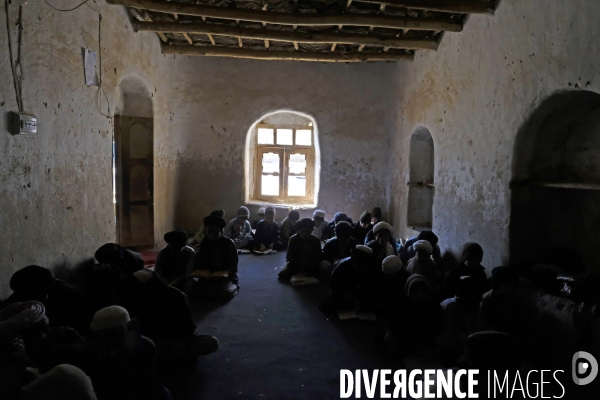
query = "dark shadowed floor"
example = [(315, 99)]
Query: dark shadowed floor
[(275, 343)]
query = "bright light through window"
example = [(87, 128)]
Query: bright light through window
[(265, 136), (270, 163), (303, 137), (270, 185), (296, 185), (285, 136), (297, 163)]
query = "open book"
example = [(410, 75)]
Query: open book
[(301, 280), (244, 251), (205, 274), (349, 314), (267, 251)]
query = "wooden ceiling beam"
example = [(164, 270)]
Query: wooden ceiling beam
[(285, 36), (210, 51), (450, 6), (271, 17)]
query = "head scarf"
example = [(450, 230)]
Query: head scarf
[(423, 245), (243, 212), (391, 265), (471, 249), (365, 217), (176, 238), (33, 280), (319, 213), (294, 215), (382, 225), (429, 236), (261, 211), (304, 223), (376, 213), (344, 227), (466, 290), (110, 253), (340, 216), (416, 279), (270, 210), (362, 254), (212, 220), (218, 213), (64, 382), (109, 317)]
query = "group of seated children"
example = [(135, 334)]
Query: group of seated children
[(108, 340)]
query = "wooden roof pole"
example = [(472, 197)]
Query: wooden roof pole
[(290, 37), (270, 17), (282, 54)]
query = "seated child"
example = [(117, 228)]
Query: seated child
[(126, 260), (261, 216), (118, 359), (407, 252), (176, 260), (216, 254), (337, 248), (417, 319), (287, 229), (391, 240), (503, 308), (462, 317), (240, 230), (346, 278), (472, 255), (201, 234), (267, 233), (304, 252), (320, 223), (165, 318), (362, 227), (63, 304), (329, 229), (381, 245), (422, 263), (63, 382)]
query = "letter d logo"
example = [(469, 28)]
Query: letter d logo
[(584, 364)]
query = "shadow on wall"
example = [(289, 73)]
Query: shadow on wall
[(555, 191)]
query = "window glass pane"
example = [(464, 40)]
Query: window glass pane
[(303, 137), (296, 185), (285, 136), (269, 185), (270, 163), (297, 163), (265, 136)]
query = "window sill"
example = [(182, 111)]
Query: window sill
[(298, 206)]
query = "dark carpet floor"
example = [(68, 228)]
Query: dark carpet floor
[(275, 343)]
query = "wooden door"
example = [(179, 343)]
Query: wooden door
[(134, 181)]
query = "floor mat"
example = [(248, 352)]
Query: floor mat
[(275, 343)]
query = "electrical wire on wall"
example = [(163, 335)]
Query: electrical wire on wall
[(15, 66), (66, 9)]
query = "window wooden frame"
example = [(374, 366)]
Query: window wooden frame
[(284, 152)]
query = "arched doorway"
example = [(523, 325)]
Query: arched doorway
[(555, 192), (133, 169), (421, 181)]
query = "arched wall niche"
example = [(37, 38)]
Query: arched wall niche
[(555, 191), (134, 98), (421, 180)]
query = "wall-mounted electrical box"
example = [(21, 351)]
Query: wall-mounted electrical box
[(23, 124)]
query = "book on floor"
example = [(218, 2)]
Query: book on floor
[(301, 280), (244, 251), (350, 314), (267, 251), (206, 274)]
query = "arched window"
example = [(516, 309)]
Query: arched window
[(284, 157), (421, 187)]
